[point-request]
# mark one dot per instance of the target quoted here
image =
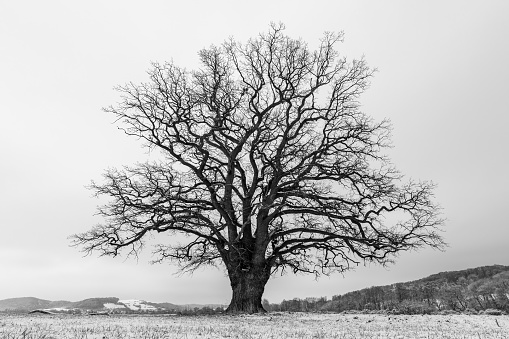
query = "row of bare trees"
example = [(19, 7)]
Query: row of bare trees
[(472, 290), (470, 293), (297, 305)]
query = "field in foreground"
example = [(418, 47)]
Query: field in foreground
[(296, 325)]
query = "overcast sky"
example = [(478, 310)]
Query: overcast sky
[(443, 70)]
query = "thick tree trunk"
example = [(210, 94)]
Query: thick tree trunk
[(247, 289)]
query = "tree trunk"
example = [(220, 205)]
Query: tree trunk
[(248, 285)]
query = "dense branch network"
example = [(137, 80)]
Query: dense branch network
[(266, 160)]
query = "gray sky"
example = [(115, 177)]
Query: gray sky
[(442, 81)]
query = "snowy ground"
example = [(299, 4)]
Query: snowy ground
[(273, 325)]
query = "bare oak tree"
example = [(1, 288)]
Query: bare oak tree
[(268, 165)]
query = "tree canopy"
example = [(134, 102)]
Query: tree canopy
[(267, 163)]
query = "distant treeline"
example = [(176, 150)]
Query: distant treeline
[(297, 305), (470, 290)]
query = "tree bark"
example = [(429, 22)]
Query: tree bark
[(248, 285)]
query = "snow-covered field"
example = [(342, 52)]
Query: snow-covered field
[(281, 326)]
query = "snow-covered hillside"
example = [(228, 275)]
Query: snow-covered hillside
[(137, 305), (112, 306)]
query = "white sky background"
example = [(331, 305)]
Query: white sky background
[(442, 81)]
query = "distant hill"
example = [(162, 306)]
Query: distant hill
[(110, 304), (471, 290), (26, 303), (31, 303), (476, 289), (95, 304)]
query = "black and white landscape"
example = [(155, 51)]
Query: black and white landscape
[(423, 90)]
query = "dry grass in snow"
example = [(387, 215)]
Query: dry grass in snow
[(274, 325)]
